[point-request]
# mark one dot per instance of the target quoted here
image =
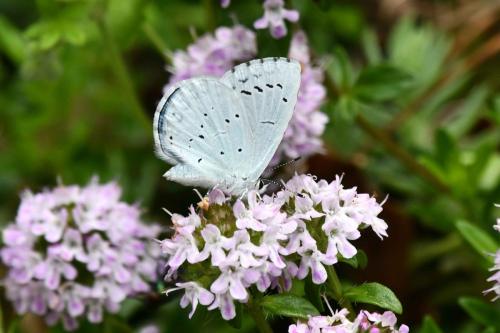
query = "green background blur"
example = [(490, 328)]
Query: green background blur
[(414, 113)]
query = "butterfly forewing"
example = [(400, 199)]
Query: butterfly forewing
[(268, 88), (201, 127)]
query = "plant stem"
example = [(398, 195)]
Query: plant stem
[(432, 250), (210, 14), (157, 42), (335, 287), (406, 158), (258, 316), (122, 75)]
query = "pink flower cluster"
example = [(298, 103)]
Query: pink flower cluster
[(265, 241), (213, 54), (303, 135), (73, 252), (338, 322), (496, 268)]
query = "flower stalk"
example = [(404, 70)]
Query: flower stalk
[(258, 316), (335, 288)]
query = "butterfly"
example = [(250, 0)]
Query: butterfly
[(223, 132)]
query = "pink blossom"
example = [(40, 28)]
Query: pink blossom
[(274, 18)]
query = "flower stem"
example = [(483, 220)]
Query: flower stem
[(122, 74), (335, 288), (157, 42), (402, 155), (258, 316)]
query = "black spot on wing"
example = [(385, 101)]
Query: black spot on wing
[(269, 85), (267, 122), (246, 92), (279, 85), (285, 100), (259, 89)]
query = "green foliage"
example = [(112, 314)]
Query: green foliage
[(380, 83), (360, 260), (483, 243), (288, 305), (484, 313), (376, 294), (429, 326)]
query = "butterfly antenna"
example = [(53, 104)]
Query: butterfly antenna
[(327, 304), (198, 194), (167, 211), (279, 184), (279, 166)]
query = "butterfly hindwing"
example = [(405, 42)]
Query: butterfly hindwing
[(268, 88)]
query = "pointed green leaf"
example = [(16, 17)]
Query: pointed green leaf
[(482, 312), (429, 326), (381, 83), (289, 306), (483, 243), (313, 293), (376, 294)]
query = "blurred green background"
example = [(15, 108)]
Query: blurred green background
[(414, 113)]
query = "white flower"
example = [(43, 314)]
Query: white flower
[(233, 279), (180, 248), (242, 251), (274, 18), (214, 245), (193, 294), (225, 304)]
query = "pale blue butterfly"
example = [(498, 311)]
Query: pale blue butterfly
[(222, 132)]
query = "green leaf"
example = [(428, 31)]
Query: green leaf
[(482, 312), (371, 46), (381, 83), (14, 327), (341, 70), (483, 243), (289, 306), (347, 107), (466, 116), (376, 294), (112, 324), (11, 41), (360, 260), (429, 326), (313, 293)]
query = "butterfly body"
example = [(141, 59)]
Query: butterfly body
[(222, 132)]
